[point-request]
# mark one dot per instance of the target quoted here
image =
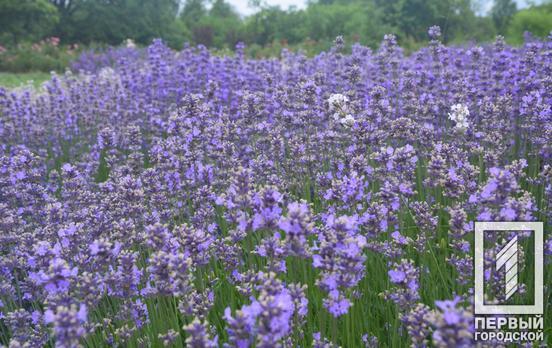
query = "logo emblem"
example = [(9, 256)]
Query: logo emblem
[(507, 258)]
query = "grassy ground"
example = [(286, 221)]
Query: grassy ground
[(16, 80)]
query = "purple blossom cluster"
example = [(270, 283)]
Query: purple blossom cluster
[(184, 198)]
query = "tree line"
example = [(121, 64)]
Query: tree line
[(216, 24)]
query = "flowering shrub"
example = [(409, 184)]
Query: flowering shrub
[(46, 55), (181, 198)]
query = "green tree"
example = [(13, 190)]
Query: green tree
[(537, 20), (26, 19), (192, 12), (502, 13), (265, 26), (227, 24), (220, 26), (412, 18), (112, 22), (222, 9), (66, 10)]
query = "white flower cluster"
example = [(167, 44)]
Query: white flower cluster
[(339, 106), (459, 114), (337, 101), (107, 75), (129, 43)]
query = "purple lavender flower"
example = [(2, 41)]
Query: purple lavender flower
[(405, 276), (341, 260), (199, 335), (298, 227), (68, 324), (158, 185), (452, 324)]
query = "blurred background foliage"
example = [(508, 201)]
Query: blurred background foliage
[(45, 34)]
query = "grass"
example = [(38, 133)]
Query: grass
[(12, 80)]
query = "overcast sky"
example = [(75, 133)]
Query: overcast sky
[(244, 9)]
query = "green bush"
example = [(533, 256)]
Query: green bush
[(536, 20), (26, 20), (47, 55)]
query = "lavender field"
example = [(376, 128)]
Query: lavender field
[(156, 198)]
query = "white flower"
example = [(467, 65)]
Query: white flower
[(109, 75), (129, 43), (347, 121), (340, 109), (337, 101), (459, 114), (462, 125)]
